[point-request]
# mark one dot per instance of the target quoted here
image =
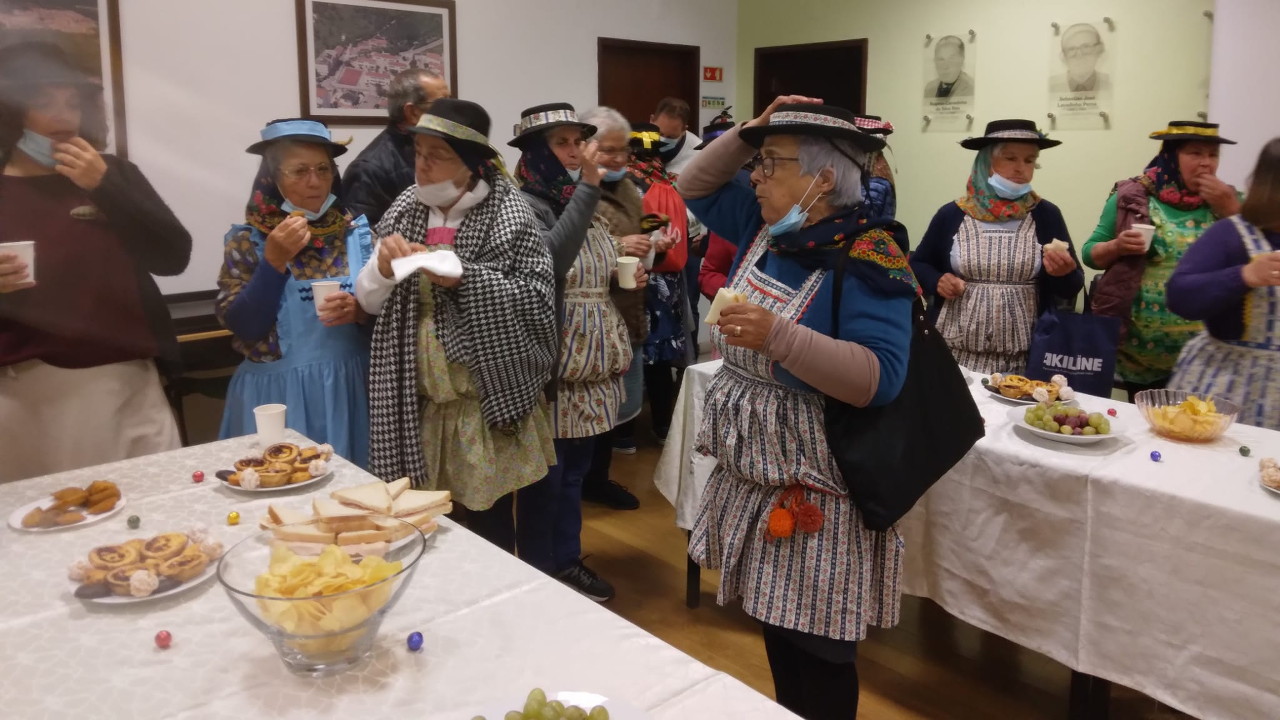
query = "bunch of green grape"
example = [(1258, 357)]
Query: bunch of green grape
[(1067, 420), (536, 707)]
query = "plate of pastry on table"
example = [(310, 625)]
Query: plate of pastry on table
[(142, 570), (1021, 390), (283, 466), (69, 507)]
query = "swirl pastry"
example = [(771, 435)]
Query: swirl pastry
[(119, 579), (164, 547), (185, 567), (250, 462), (275, 475), (281, 453), (1014, 386), (110, 557)]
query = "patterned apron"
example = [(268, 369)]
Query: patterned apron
[(1244, 371), (767, 437), (988, 328)]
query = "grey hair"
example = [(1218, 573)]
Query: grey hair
[(607, 120), (949, 40), (406, 88), (845, 161), (275, 152)]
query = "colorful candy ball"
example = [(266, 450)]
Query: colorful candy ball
[(233, 518), (1244, 450), (197, 476), (134, 522), (164, 639), (1111, 412), (415, 641), (1155, 456)]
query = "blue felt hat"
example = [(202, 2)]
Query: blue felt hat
[(309, 131)]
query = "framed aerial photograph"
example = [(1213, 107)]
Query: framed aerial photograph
[(350, 50)]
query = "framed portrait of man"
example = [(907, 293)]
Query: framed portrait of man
[(949, 85), (1081, 85)]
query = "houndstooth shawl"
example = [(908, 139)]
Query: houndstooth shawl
[(499, 323)]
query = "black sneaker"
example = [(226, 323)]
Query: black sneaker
[(610, 494), (581, 578), (625, 446)]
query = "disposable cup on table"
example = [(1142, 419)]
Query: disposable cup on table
[(270, 422), (323, 289), (627, 272), (1148, 232), (26, 252)]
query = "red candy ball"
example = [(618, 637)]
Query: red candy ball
[(197, 476), (164, 639), (1112, 412)]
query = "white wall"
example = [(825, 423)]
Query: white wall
[(202, 77), (1241, 98)]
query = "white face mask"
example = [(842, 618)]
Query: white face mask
[(1006, 188), (574, 175), (438, 195)]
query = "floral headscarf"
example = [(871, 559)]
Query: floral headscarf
[(981, 203), (1163, 179), (541, 174)]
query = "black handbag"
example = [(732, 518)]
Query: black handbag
[(892, 454)]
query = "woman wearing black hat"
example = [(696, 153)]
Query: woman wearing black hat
[(463, 349), (83, 329), (297, 241), (561, 181), (1181, 195), (990, 257), (776, 517)]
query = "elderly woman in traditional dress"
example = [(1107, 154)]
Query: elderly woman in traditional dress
[(1230, 279), (561, 182), (83, 329), (462, 354), (817, 577), (296, 235), (991, 258)]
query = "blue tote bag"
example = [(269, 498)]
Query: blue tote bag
[(1081, 348)]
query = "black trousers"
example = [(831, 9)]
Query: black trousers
[(662, 386), (602, 460), (813, 677)]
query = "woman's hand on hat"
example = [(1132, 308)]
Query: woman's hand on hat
[(286, 241), (1058, 263), (1130, 242), (392, 247), (79, 161), (637, 245), (950, 287), (340, 308), (1222, 198), (763, 119), (746, 325), (590, 163), (14, 274), (1262, 271)]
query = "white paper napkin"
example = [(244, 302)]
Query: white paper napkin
[(444, 263)]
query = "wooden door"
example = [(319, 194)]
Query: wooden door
[(833, 71), (635, 75)]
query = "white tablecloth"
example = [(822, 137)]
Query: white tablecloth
[(494, 627), (1160, 576)]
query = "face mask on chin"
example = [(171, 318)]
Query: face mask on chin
[(438, 195), (289, 208), (1007, 189), (574, 175), (38, 148), (614, 175), (796, 216)]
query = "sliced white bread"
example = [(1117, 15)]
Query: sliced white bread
[(428, 515), (304, 534), (395, 528), (373, 496), (397, 487), (347, 524), (412, 502), (330, 509), (367, 549), (358, 537), (287, 515)]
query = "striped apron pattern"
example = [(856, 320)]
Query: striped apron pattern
[(988, 328), (768, 437), (1244, 371)]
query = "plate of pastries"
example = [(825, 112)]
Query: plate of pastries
[(141, 570), (1025, 391), (282, 466), (69, 507)]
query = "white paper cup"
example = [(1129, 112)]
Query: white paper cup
[(26, 252), (322, 290), (270, 421), (1148, 232), (627, 272)]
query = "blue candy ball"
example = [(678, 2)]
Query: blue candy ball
[(1155, 456), (415, 641)]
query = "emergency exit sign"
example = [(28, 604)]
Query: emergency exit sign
[(713, 74)]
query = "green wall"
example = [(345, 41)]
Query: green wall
[(1159, 67)]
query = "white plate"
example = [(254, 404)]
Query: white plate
[(1022, 401), (586, 701), (122, 600), (1018, 417), (15, 519), (282, 488)]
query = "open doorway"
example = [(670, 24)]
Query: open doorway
[(833, 71), (635, 75)]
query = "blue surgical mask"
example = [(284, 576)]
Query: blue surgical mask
[(574, 175), (615, 175), (1007, 189), (668, 143), (38, 148), (795, 217), (289, 208)]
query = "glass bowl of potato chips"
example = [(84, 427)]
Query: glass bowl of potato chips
[(319, 604), (1180, 415)]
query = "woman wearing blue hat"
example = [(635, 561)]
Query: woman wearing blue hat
[(311, 356)]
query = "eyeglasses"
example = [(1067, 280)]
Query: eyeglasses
[(438, 158), (613, 152), (323, 171), (767, 164), (1081, 51)]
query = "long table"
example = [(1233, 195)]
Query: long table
[(1163, 576), (494, 627)]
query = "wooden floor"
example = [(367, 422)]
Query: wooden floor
[(930, 666)]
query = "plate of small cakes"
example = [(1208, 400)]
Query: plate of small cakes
[(1021, 390), (283, 466), (143, 570), (69, 507)]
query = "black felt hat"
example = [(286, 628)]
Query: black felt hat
[(713, 131), (646, 139), (540, 118), (34, 64), (999, 131), (461, 123), (1191, 130), (874, 125), (826, 121)]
